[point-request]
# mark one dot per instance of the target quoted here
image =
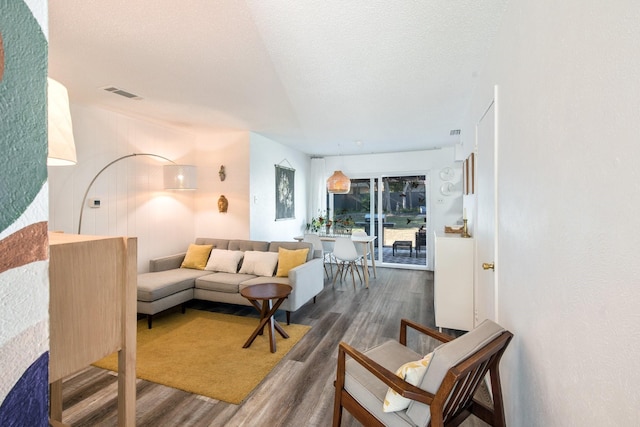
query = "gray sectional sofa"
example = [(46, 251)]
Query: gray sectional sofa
[(168, 285)]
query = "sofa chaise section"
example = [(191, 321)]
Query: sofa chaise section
[(159, 291)]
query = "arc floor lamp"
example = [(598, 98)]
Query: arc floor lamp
[(176, 177), (62, 148)]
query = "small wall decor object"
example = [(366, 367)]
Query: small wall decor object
[(222, 173), (465, 229), (223, 204), (447, 174), (447, 188), (285, 192)]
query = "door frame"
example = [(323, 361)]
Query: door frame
[(379, 243), (375, 203), (478, 263)]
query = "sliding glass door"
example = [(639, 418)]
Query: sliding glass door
[(392, 208)]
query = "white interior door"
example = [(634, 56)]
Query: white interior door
[(486, 292)]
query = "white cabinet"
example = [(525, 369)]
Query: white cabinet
[(453, 281)]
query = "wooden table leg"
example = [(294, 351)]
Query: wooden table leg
[(260, 310), (266, 306), (373, 260), (267, 318), (272, 333), (365, 263)]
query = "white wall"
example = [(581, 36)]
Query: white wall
[(441, 210), (265, 154), (230, 149), (569, 196), (133, 201)]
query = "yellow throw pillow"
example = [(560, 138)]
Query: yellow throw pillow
[(290, 258), (197, 256), (411, 372)]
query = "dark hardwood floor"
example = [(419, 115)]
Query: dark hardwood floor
[(299, 391)]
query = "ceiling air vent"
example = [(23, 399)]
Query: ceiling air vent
[(454, 132), (121, 92)]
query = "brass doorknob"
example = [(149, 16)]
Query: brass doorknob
[(488, 266)]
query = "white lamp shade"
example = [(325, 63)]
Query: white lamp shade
[(338, 183), (62, 148), (180, 177)]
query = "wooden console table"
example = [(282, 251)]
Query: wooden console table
[(92, 313)]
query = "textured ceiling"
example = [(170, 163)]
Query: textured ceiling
[(318, 75)]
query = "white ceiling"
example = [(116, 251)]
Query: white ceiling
[(318, 75)]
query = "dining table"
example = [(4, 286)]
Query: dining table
[(367, 246)]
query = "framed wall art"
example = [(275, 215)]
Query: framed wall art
[(472, 173), (465, 177), (285, 193), (469, 175)]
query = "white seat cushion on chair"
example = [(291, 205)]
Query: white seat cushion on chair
[(368, 390), (445, 357)]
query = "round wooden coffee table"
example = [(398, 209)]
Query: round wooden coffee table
[(261, 296)]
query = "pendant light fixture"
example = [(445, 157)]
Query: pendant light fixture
[(338, 183)]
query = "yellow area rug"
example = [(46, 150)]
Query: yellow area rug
[(201, 352)]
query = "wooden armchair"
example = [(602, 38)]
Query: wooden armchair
[(444, 396)]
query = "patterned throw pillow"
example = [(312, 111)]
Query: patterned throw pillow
[(411, 372)]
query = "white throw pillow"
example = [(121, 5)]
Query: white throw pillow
[(411, 372), (224, 260), (259, 263)]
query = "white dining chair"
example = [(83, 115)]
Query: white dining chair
[(328, 245), (346, 257), (318, 245), (363, 250)]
